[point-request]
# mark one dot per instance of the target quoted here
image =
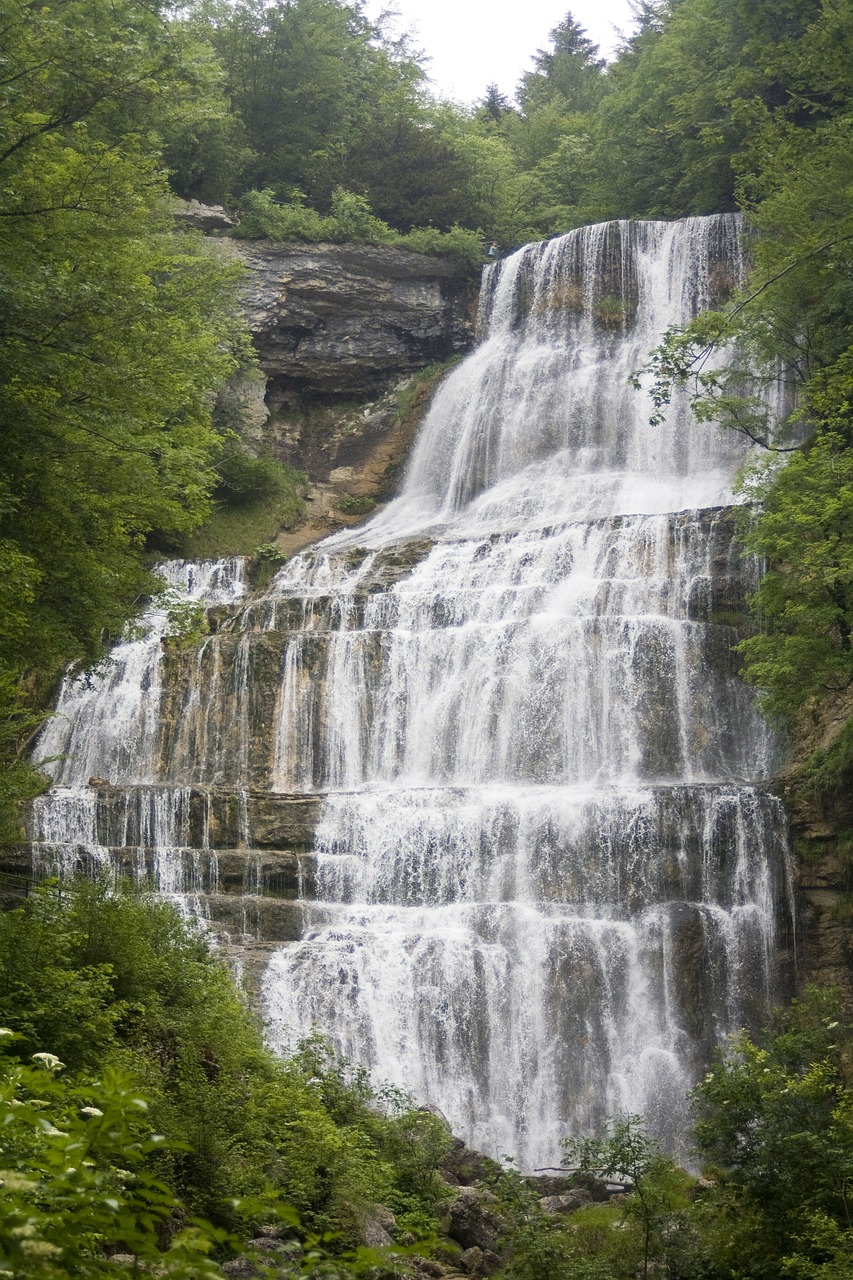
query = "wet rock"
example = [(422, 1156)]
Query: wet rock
[(377, 1227), (463, 1166), (241, 1269), (570, 1202), (470, 1221), (479, 1262)]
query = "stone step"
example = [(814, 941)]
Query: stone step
[(189, 816), (264, 872), (250, 917)]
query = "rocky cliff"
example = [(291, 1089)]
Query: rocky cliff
[(344, 321), (337, 327), (820, 805)]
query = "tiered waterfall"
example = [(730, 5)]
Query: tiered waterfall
[(481, 772)]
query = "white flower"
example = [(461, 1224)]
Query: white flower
[(6, 1031), (51, 1130), (48, 1060), (40, 1248), (16, 1181), (91, 1111)]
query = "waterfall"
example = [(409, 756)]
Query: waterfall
[(490, 750)]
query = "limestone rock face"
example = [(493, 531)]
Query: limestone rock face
[(202, 217), (821, 823), (346, 321)]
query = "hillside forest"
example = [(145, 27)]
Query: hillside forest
[(141, 1113)]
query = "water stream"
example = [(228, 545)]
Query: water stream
[(547, 878)]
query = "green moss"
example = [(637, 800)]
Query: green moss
[(265, 563), (239, 528), (360, 505), (832, 770)]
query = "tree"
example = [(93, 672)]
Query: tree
[(494, 103), (117, 331), (776, 1120), (626, 1151), (569, 69)]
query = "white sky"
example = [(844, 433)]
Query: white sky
[(472, 43)]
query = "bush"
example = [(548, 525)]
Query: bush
[(245, 477), (118, 982), (75, 1182), (459, 245), (264, 217)]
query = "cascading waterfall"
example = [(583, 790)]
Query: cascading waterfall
[(545, 878)]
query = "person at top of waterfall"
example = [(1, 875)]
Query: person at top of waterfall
[(492, 251)]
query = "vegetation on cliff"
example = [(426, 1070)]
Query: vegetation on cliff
[(199, 1119), (142, 1115), (119, 331)]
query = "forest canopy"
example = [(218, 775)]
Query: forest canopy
[(313, 122)]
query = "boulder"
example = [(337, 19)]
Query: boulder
[(479, 1262), (470, 1221), (377, 1227), (463, 1166), (202, 217), (567, 1203)]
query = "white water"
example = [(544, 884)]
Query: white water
[(548, 878), (107, 727), (547, 882)]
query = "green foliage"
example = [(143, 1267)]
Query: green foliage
[(243, 477), (831, 770), (776, 1120), (264, 564), (256, 497), (457, 244), (626, 1151), (117, 332), (569, 71), (805, 599), (119, 982), (187, 622), (357, 506), (264, 217), (74, 1179), (540, 1247)]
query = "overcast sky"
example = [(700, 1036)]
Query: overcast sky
[(472, 43)]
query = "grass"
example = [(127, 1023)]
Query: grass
[(238, 529)]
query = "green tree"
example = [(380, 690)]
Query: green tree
[(775, 1119), (116, 330), (656, 1190), (569, 70)]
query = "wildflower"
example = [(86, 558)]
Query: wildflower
[(14, 1181), (49, 1061), (91, 1111), (40, 1248), (51, 1130)]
